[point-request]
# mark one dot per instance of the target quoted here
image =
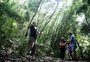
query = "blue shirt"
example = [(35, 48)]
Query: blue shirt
[(72, 39)]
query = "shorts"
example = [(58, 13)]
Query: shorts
[(31, 42)]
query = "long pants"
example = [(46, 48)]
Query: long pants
[(31, 46), (62, 53), (73, 50)]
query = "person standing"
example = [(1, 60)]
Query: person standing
[(62, 44), (33, 33), (72, 45)]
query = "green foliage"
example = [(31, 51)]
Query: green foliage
[(85, 28), (88, 1), (5, 9), (83, 8), (8, 31)]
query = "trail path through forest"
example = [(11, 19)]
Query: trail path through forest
[(42, 59), (27, 58)]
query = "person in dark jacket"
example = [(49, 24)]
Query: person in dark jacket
[(33, 33)]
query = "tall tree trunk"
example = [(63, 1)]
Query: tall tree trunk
[(49, 18), (35, 12)]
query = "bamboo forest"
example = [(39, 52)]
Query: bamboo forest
[(44, 30)]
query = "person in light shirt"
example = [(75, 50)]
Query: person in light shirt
[(72, 45)]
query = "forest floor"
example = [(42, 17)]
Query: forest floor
[(38, 59), (15, 58)]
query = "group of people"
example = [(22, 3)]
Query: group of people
[(70, 46)]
